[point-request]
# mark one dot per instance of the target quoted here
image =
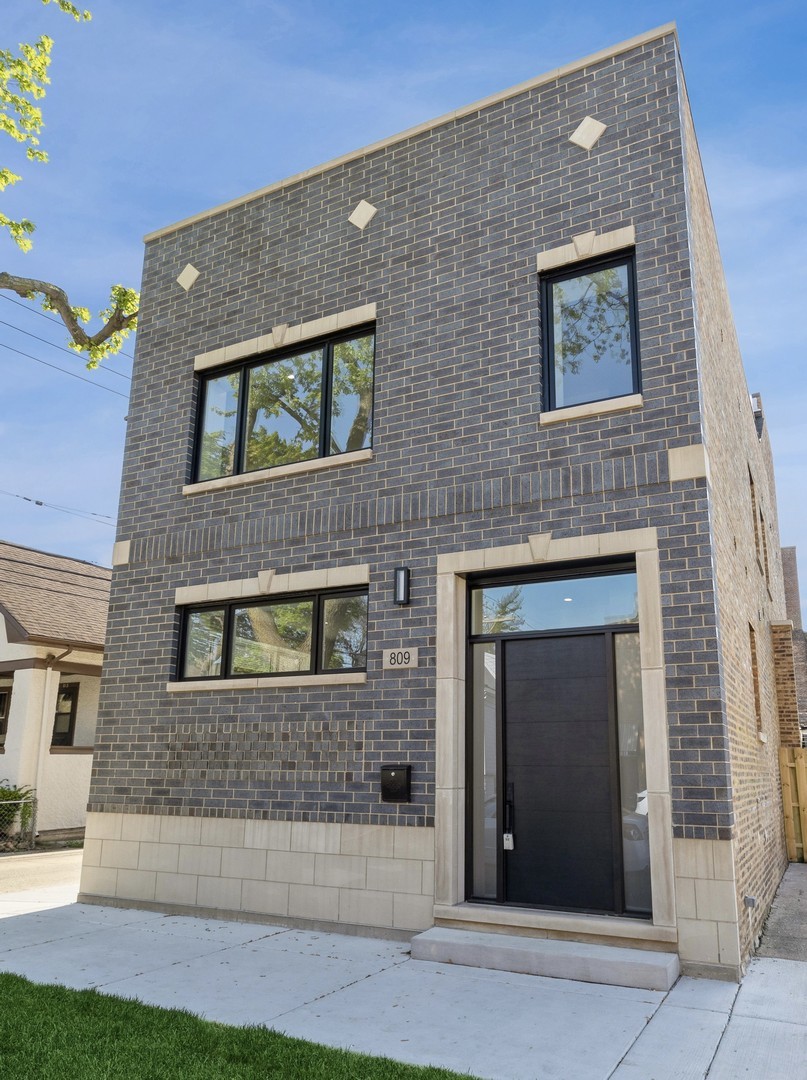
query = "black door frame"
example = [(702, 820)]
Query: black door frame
[(499, 640)]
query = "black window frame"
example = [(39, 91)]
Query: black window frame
[(244, 366), (566, 273), (66, 738), (318, 596)]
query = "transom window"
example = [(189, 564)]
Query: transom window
[(590, 333), (555, 602), (301, 634), (314, 402), (64, 721)]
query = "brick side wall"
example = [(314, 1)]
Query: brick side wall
[(793, 599), (785, 680), (746, 595), (460, 458)]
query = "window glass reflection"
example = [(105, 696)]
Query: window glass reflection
[(283, 411), (204, 635), (344, 633), (352, 395), (272, 638), (219, 421), (555, 604), (592, 336)]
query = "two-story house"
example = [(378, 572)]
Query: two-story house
[(447, 583)]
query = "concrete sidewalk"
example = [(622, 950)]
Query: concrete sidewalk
[(366, 994)]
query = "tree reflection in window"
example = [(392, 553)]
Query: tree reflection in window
[(591, 336), (272, 638), (310, 633), (314, 403)]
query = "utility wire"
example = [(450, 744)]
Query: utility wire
[(53, 345), (43, 315), (87, 515), (73, 374)]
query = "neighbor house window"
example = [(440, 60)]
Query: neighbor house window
[(64, 723), (590, 333), (301, 634), (314, 402), (5, 704)]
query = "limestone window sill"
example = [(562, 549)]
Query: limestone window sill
[(224, 483), (299, 682), (592, 409)]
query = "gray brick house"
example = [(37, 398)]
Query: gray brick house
[(447, 583)]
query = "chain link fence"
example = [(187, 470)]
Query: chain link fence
[(17, 823)]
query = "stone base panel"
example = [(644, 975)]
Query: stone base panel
[(706, 908), (353, 875)]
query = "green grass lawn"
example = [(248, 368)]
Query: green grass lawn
[(50, 1033)]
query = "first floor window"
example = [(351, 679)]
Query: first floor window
[(5, 705), (64, 723), (305, 634), (590, 333), (314, 402)]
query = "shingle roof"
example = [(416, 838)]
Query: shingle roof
[(51, 597)]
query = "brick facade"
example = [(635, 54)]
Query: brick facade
[(462, 461)]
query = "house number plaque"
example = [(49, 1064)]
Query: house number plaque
[(405, 657)]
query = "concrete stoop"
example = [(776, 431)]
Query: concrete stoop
[(583, 962)]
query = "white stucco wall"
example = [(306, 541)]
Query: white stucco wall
[(61, 776)]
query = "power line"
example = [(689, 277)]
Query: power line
[(86, 515), (72, 374), (50, 318), (53, 345)]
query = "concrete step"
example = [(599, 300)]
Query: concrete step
[(583, 962)]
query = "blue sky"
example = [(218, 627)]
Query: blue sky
[(159, 110)]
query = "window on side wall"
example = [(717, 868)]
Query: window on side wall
[(303, 634), (64, 722), (313, 402), (5, 705), (590, 333)]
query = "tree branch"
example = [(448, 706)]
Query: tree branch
[(121, 316)]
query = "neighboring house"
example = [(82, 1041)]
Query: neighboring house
[(447, 582), (52, 621)]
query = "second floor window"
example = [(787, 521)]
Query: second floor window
[(314, 402), (590, 333)]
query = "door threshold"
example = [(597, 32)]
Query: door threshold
[(538, 923)]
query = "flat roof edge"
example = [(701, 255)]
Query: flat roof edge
[(419, 129)]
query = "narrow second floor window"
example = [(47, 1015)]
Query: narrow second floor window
[(590, 333), (314, 402)]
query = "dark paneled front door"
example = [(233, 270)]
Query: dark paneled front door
[(560, 776)]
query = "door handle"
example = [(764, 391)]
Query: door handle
[(509, 817)]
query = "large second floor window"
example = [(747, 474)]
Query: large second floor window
[(590, 333), (311, 403)]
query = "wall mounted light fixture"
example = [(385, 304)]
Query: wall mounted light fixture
[(401, 584)]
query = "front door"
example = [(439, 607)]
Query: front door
[(557, 806), (559, 773)]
